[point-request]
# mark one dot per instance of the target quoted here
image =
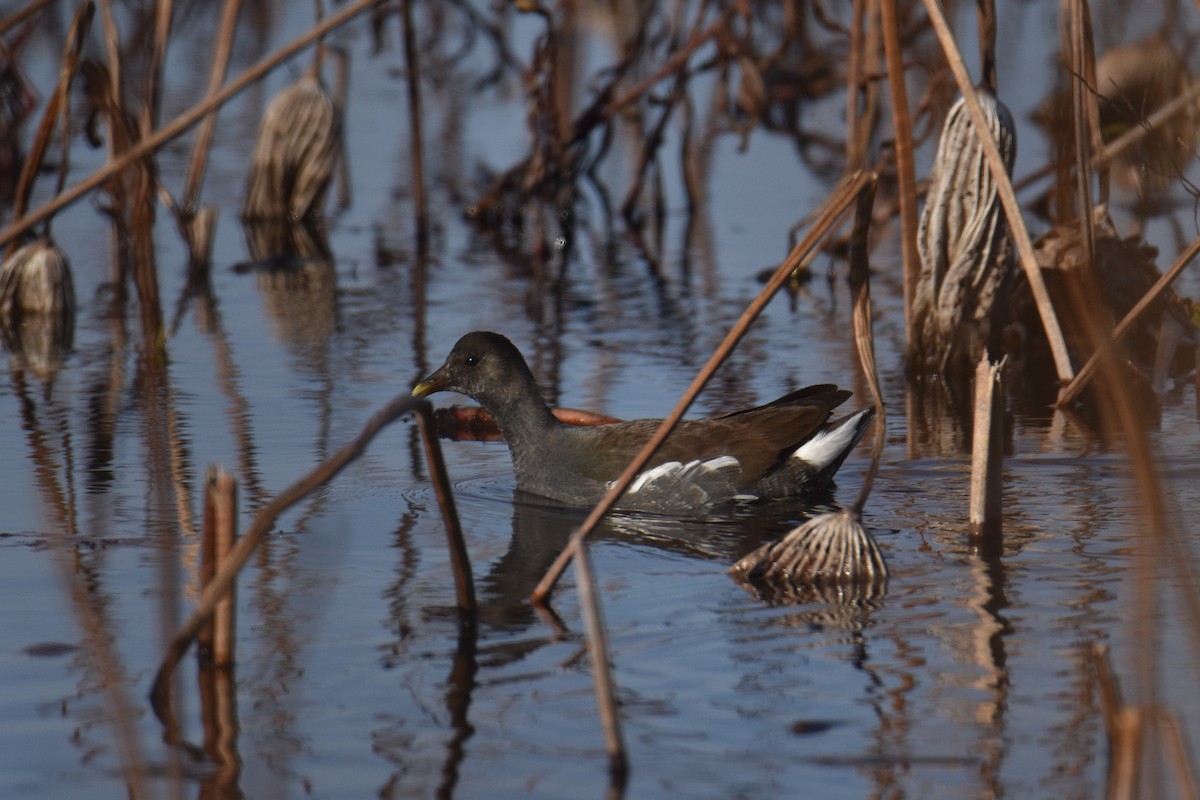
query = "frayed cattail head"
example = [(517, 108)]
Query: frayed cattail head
[(964, 244), (295, 155), (37, 305), (830, 553)]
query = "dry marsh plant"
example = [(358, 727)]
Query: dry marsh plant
[(1088, 302)]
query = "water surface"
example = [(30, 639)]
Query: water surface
[(969, 678)]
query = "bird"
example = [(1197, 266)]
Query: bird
[(785, 448)]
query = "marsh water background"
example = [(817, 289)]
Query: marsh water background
[(969, 680)]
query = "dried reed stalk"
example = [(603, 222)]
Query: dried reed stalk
[(222, 49), (834, 207), (181, 123), (864, 336), (860, 84), (602, 679), (56, 107), (905, 161), (25, 13), (1086, 118), (263, 521), (460, 562), (1016, 222), (148, 120), (987, 450)]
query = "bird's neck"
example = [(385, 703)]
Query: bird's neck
[(523, 419)]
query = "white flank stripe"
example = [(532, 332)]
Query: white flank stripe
[(678, 471)]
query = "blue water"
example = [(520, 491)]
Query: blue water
[(969, 679)]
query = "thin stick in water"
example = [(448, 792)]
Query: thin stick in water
[(597, 636)]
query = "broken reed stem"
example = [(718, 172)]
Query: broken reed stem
[(115, 100), (905, 162), (412, 64), (1016, 222), (869, 113), (835, 206), (602, 679), (324, 472), (182, 122), (987, 452), (222, 49), (220, 532), (1072, 390), (864, 338)]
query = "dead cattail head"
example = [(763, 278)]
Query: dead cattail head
[(964, 245), (37, 306), (295, 155), (831, 556)]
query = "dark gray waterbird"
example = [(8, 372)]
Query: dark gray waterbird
[(785, 448)]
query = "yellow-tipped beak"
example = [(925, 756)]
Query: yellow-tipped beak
[(434, 383)]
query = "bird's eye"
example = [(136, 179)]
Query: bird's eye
[(472, 361)]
